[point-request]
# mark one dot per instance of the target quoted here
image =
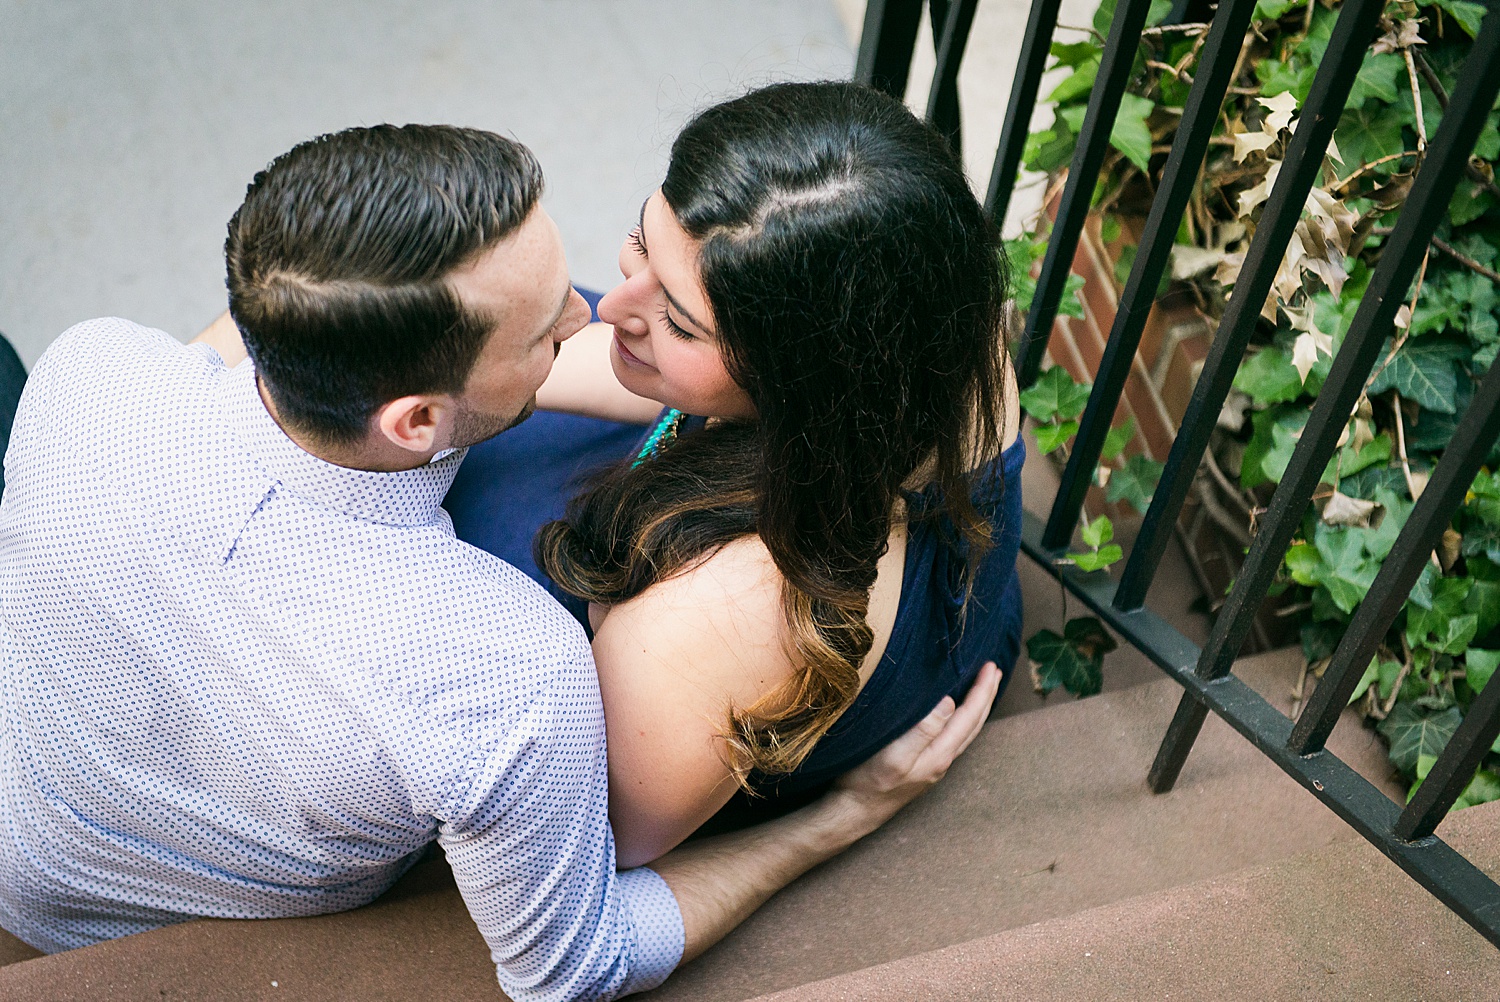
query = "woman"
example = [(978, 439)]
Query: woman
[(778, 591)]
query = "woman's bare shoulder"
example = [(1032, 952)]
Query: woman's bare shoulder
[(720, 622), (672, 663)]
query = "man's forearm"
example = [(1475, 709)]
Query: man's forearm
[(719, 881)]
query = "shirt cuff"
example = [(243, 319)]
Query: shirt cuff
[(657, 922)]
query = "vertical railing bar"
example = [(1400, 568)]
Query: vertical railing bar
[(942, 98), (1454, 767), (1220, 53), (1476, 434), (1304, 159), (952, 39), (1425, 207), (1035, 46), (886, 43), (1093, 141), (1186, 722)]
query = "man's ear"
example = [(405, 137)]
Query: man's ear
[(416, 423)]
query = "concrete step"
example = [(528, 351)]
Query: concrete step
[(1046, 816), (1341, 922)]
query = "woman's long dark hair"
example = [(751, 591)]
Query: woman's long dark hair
[(858, 294)]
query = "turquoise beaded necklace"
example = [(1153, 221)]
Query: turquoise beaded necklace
[(661, 436)]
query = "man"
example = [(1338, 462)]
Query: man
[(249, 671)]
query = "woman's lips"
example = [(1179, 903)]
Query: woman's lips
[(628, 355)]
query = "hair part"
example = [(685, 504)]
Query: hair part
[(338, 262), (858, 295)]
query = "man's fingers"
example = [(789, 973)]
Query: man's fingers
[(968, 720)]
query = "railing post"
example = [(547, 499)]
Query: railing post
[(885, 44), (952, 31), (1035, 46)]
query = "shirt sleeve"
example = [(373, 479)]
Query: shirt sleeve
[(534, 857)]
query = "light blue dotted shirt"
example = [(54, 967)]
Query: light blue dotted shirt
[(245, 683)]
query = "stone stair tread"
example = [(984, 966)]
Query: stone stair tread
[(1047, 815), (1340, 922)]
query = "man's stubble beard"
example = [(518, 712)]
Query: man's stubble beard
[(471, 427)]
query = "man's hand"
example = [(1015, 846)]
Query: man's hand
[(719, 881), (907, 767)]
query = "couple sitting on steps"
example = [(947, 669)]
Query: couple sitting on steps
[(251, 672)]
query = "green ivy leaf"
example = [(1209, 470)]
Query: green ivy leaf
[(1483, 788), (1469, 202), (1284, 435), (1379, 540), (1413, 732), (1481, 539), (1377, 79), (1349, 573), (1423, 372), (1130, 134), (1252, 463), (1135, 482), (1050, 437), (1455, 635), (1374, 452), (1269, 377), (1368, 133), (1074, 661), (1097, 560), (1098, 532), (1049, 150), (1304, 565), (1277, 77), (1055, 394), (1071, 304), (1468, 15), (1483, 601), (1479, 666), (1117, 439), (1080, 83), (1075, 53), (1271, 10)]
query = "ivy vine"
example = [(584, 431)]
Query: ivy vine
[(1445, 645)]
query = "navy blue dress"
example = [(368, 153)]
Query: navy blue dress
[(510, 486)]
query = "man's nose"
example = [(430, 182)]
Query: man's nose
[(575, 318)]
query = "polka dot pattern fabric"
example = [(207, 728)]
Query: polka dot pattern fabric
[(241, 682)]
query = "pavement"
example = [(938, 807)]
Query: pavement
[(129, 128)]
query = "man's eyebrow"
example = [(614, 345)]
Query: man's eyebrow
[(640, 233)]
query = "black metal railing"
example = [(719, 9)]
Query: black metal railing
[(1404, 835)]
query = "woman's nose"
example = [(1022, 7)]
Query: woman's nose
[(622, 306)]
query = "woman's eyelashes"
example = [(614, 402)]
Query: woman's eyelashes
[(672, 328), (636, 244)]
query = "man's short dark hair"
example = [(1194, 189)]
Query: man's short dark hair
[(337, 261)]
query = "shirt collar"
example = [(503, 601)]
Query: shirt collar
[(405, 497)]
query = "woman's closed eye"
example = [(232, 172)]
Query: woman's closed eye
[(672, 327), (636, 243)]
